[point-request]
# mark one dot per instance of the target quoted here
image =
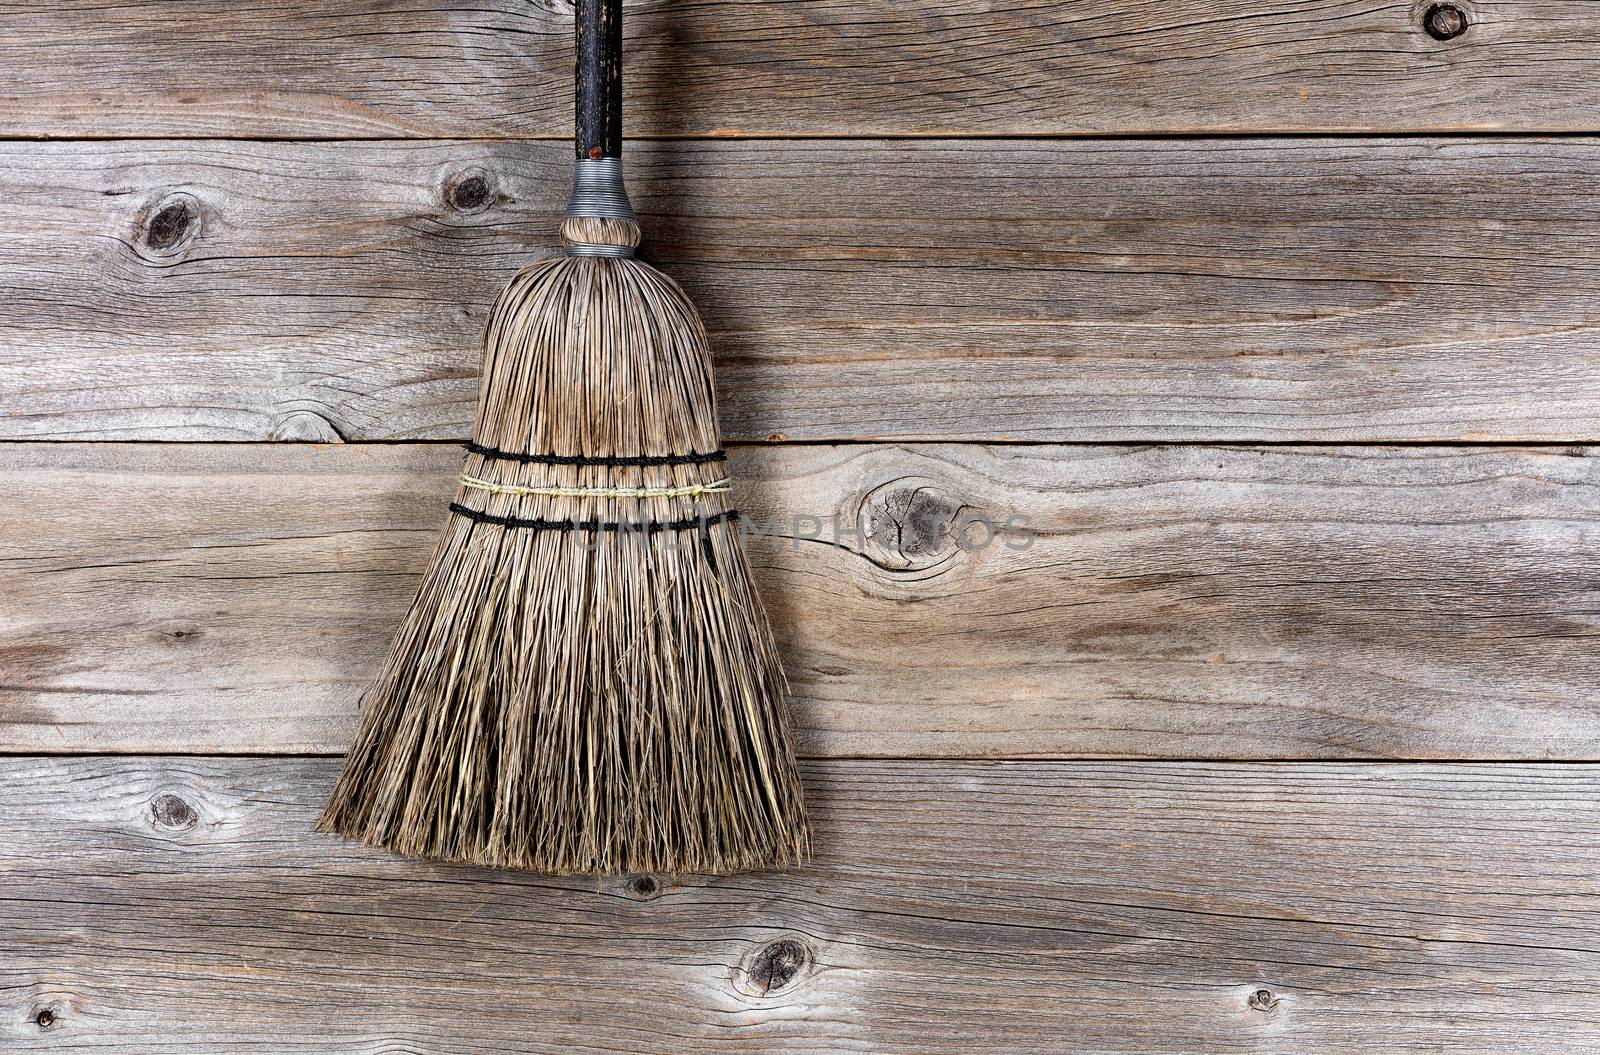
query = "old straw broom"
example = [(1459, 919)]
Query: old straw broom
[(586, 682)]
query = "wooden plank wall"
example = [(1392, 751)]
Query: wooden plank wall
[(1207, 392)]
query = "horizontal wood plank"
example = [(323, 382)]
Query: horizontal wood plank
[(181, 905), (1221, 289), (1288, 602), (350, 68)]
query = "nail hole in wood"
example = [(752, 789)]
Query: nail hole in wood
[(778, 965), (172, 813), (1445, 21)]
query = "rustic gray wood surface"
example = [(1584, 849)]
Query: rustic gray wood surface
[(344, 68), (1193, 289), (181, 905), (1300, 602), (286, 221)]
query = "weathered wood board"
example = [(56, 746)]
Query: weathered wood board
[(1197, 289), (175, 905), (362, 68), (1296, 602), (967, 223)]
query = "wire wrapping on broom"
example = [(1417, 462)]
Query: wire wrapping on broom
[(598, 193)]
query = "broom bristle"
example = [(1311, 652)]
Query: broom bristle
[(584, 684)]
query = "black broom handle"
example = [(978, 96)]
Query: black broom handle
[(599, 74)]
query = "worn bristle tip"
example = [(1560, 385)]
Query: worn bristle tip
[(586, 682)]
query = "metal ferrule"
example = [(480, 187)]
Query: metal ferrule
[(597, 190)]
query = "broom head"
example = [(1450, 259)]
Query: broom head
[(586, 682)]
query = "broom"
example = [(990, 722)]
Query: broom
[(586, 682)]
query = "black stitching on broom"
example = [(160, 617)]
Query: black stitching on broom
[(642, 461), (705, 548), (648, 527)]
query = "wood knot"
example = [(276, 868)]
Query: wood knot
[(910, 526), (1264, 1001), (173, 813), (305, 426), (643, 887), (169, 226), (469, 193), (777, 965), (45, 1018), (1445, 21)]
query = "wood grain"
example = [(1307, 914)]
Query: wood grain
[(1216, 289), (1162, 602), (181, 905), (350, 68)]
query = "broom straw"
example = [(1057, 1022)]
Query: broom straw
[(586, 682)]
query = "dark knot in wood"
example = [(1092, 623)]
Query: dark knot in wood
[(169, 226), (1445, 21), (174, 814), (45, 1018), (777, 965), (1264, 1001), (644, 887), (469, 194)]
